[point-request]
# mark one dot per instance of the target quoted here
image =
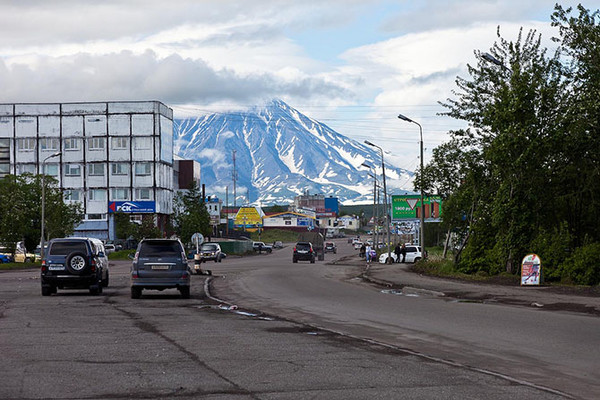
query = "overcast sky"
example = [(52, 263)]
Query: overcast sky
[(352, 64)]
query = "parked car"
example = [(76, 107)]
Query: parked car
[(330, 247), (74, 263), (5, 258), (110, 248), (160, 264), (413, 254), (211, 252), (261, 246), (278, 244), (357, 245), (303, 251)]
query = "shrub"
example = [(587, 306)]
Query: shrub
[(583, 267)]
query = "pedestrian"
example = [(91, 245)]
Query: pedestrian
[(397, 252), (403, 252), (368, 253), (362, 251)]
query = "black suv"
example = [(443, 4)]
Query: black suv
[(160, 264), (303, 251), (74, 263)]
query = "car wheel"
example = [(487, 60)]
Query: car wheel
[(220, 259), (136, 292), (185, 292), (294, 260), (105, 281), (46, 290), (417, 259), (312, 260), (27, 260), (77, 263), (95, 289)]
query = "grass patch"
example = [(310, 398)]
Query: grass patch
[(13, 265), (121, 255), (437, 266), (272, 235)]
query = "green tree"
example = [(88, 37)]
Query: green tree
[(124, 228), (147, 229), (190, 214), (20, 211)]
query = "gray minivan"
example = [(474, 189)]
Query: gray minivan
[(160, 264)]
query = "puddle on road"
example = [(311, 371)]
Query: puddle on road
[(399, 292)]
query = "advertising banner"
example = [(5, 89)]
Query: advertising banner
[(132, 207), (409, 207), (531, 270)]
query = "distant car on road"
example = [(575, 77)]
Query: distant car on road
[(330, 247), (278, 244), (303, 251), (261, 246), (413, 254), (110, 248), (5, 258), (211, 252)]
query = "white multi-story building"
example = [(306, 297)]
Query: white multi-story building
[(113, 156)]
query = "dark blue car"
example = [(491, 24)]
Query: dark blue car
[(5, 258)]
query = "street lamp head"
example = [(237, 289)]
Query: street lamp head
[(365, 165), (369, 143), (490, 58), (404, 118)]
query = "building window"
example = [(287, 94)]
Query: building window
[(143, 194), (119, 194), (72, 195), (96, 169), (26, 144), (26, 169), (51, 169), (71, 143), (143, 169), (72, 170), (142, 143), (97, 194), (47, 144), (96, 143), (95, 216), (120, 143), (119, 168)]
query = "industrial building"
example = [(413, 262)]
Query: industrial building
[(109, 156)]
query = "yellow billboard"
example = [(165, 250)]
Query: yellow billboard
[(248, 217)]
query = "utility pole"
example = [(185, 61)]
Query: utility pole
[(234, 176)]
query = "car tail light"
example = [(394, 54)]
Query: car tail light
[(185, 275), (294, 249), (134, 275)]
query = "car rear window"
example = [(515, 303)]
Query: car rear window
[(303, 246), (162, 248), (66, 248), (411, 250)]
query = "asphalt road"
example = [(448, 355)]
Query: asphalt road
[(73, 345), (558, 350)]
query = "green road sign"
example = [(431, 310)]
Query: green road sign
[(409, 207)]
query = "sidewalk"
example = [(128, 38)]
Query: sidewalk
[(399, 276)]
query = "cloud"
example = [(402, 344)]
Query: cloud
[(128, 76)]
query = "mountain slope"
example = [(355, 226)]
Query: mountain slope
[(279, 153)]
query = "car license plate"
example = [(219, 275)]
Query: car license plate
[(57, 267), (160, 267)]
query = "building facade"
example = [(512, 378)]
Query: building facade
[(108, 156)]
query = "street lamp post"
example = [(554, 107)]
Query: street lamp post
[(387, 214), (374, 198), (422, 239), (58, 153)]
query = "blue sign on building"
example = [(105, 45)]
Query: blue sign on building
[(132, 207)]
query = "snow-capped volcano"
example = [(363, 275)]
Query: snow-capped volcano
[(279, 153)]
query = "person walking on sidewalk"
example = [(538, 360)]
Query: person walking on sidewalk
[(403, 252), (368, 254), (397, 252)]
